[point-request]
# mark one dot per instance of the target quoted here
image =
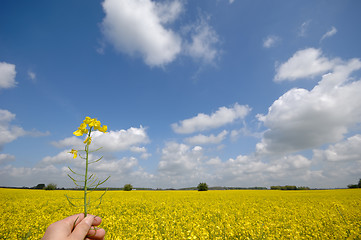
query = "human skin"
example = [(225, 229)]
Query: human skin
[(75, 227)]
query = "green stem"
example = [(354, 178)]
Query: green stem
[(86, 175)]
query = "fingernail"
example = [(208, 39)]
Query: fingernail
[(89, 220)]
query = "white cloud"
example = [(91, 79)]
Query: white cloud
[(211, 139), (270, 41), (252, 171), (330, 33), (8, 132), (7, 75), (168, 11), (178, 159), (122, 140), (5, 158), (203, 42), (73, 141), (122, 171), (144, 27), (302, 119), (203, 122), (60, 158), (181, 165), (304, 63), (138, 27), (347, 150)]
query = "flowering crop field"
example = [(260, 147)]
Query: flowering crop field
[(232, 214)]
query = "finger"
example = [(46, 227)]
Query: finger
[(97, 221), (64, 226), (74, 220), (83, 227), (96, 233)]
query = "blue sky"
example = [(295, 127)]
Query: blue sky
[(232, 93)]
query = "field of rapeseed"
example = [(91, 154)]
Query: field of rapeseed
[(233, 214)]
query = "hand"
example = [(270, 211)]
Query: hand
[(75, 227)]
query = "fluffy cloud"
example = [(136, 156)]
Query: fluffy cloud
[(302, 119), (7, 75), (348, 150), (8, 132), (202, 44), (121, 140), (182, 165), (179, 159), (54, 169), (113, 141), (304, 63), (139, 27), (73, 141), (330, 33), (203, 122), (60, 158), (211, 139), (253, 171), (270, 41), (143, 27)]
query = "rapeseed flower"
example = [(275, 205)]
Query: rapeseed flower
[(88, 181), (75, 152), (233, 214)]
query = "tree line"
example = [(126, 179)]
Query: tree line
[(355, 185), (201, 187)]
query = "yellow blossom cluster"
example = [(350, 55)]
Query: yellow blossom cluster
[(233, 214), (92, 123)]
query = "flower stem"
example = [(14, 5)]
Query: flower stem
[(86, 176)]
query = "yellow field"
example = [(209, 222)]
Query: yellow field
[(243, 214)]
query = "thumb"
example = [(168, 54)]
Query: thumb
[(82, 229)]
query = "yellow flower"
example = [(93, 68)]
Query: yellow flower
[(82, 126), (94, 123), (75, 152), (87, 120), (88, 140), (81, 130), (78, 133), (103, 129)]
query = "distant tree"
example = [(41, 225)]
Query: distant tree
[(202, 187), (51, 186), (128, 187), (40, 186), (355, 185)]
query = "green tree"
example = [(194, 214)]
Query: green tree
[(202, 187), (40, 186), (359, 183), (50, 186), (128, 187)]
